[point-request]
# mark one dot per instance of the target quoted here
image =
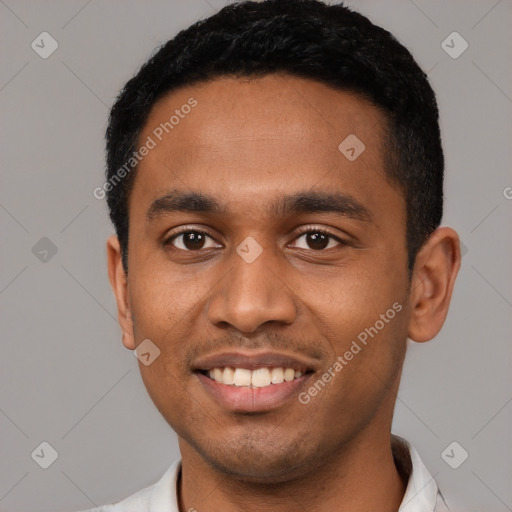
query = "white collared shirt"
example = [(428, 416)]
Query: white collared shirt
[(421, 495)]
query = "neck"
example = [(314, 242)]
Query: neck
[(356, 478)]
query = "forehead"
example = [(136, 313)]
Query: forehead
[(248, 139)]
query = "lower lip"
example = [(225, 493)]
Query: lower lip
[(245, 399)]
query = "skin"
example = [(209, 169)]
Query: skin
[(247, 142)]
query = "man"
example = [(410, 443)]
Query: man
[(275, 179)]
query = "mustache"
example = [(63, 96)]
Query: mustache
[(272, 341)]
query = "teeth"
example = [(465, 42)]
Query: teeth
[(289, 374), (228, 377), (217, 374), (242, 377), (277, 375), (259, 378)]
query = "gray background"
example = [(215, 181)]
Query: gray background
[(66, 379)]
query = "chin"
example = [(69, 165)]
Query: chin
[(259, 462), (256, 471)]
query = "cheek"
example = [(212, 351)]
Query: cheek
[(365, 368), (355, 299), (162, 302), (167, 378), (163, 312), (363, 317), (168, 391)]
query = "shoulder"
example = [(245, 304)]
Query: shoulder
[(138, 502), (161, 493)]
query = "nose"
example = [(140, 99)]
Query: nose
[(252, 294)]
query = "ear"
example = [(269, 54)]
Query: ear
[(119, 282), (436, 267)]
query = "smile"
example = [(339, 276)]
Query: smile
[(253, 381), (257, 378)]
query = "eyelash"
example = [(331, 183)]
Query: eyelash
[(168, 241)]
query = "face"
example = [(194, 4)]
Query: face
[(257, 245)]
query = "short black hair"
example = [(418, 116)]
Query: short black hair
[(308, 39)]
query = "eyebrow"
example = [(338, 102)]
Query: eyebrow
[(300, 202)]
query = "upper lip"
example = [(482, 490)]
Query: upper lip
[(251, 360)]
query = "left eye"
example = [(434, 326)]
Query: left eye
[(190, 240), (319, 240)]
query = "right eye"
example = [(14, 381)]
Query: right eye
[(189, 240)]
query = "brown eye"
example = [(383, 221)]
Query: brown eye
[(189, 240), (317, 240)]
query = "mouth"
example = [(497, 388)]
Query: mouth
[(253, 382), (258, 378)]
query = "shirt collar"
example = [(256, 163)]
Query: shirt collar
[(422, 493)]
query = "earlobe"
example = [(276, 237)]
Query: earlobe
[(119, 283), (435, 270)]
